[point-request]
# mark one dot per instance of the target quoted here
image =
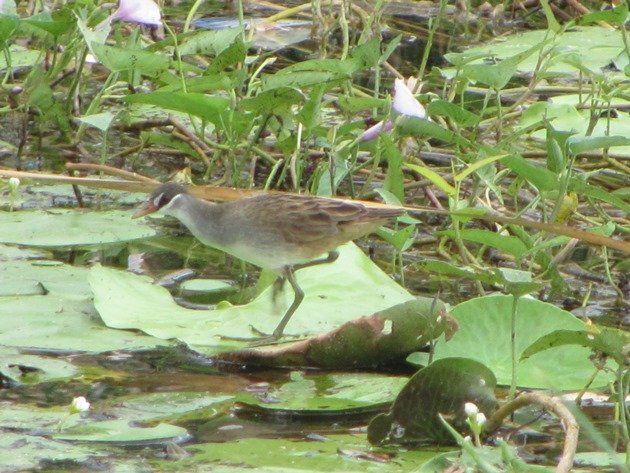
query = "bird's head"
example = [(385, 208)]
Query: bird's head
[(160, 198)]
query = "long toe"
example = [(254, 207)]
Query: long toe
[(261, 341)]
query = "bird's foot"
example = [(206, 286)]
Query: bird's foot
[(260, 338)]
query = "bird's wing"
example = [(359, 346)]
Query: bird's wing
[(302, 219)]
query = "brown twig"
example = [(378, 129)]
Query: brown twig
[(567, 419), (145, 124), (132, 176), (193, 140), (193, 145)]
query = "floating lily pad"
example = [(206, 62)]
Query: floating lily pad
[(127, 301), (485, 332), (169, 405), (26, 417), (9, 253), (70, 227), (19, 452), (590, 47), (339, 393), (601, 460), (566, 117), (44, 277), (123, 432), (55, 323), (608, 341), (338, 453), (19, 368)]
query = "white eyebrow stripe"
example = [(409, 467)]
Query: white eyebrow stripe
[(157, 199)]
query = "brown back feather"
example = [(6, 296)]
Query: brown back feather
[(305, 219)]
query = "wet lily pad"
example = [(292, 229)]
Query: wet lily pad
[(26, 417), (600, 459), (20, 452), (564, 116), (127, 301), (70, 227), (123, 432), (42, 277), (55, 323), (9, 253), (609, 341), (338, 453), (19, 368), (168, 406), (327, 394)]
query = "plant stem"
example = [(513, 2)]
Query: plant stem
[(512, 393)]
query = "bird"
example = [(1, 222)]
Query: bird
[(277, 231)]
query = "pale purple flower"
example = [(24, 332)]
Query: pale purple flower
[(375, 130), (404, 104), (404, 101), (7, 7), (146, 12)]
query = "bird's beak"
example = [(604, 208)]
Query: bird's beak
[(145, 209)]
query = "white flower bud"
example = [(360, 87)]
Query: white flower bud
[(79, 404), (480, 419), (471, 409), (14, 183)]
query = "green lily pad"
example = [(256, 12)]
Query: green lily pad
[(122, 431), (26, 417), (168, 406), (44, 277), (588, 47), (32, 369), (127, 301), (601, 460), (19, 452), (338, 453), (338, 393), (55, 323), (484, 335), (443, 388), (70, 227), (8, 253), (565, 117)]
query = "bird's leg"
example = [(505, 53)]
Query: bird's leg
[(332, 257), (278, 284), (297, 300), (288, 274)]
